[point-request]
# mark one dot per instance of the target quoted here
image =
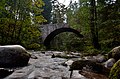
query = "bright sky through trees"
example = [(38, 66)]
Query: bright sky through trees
[(67, 2)]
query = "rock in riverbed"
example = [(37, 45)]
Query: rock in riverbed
[(13, 56)]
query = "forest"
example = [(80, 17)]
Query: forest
[(97, 20)]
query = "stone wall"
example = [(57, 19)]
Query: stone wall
[(48, 28)]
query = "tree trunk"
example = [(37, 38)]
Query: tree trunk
[(93, 25)]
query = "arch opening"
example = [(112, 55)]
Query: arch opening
[(58, 31)]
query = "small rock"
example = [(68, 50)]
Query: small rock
[(33, 56), (43, 52), (76, 75), (53, 56), (109, 63), (100, 58), (69, 62)]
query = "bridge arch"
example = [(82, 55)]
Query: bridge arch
[(58, 31)]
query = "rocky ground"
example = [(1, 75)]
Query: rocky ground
[(44, 67), (56, 65)]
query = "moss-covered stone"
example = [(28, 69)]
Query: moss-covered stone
[(115, 71), (114, 53)]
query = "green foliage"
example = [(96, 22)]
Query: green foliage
[(107, 22), (34, 46), (78, 18), (19, 21), (90, 50), (109, 25), (68, 42)]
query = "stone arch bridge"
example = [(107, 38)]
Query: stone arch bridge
[(49, 31)]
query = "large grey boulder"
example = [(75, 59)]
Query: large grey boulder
[(13, 56)]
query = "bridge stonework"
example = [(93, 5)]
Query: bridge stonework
[(49, 31), (48, 28)]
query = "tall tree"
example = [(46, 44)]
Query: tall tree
[(109, 23), (93, 25)]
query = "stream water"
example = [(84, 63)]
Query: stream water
[(44, 67)]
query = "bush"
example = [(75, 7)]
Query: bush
[(35, 46), (90, 50)]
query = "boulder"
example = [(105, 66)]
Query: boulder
[(115, 71), (109, 63), (100, 58), (114, 53), (13, 56), (79, 64), (92, 65)]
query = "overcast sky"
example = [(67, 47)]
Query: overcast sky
[(66, 2)]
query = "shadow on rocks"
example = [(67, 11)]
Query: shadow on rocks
[(5, 72)]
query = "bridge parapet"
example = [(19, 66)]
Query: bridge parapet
[(48, 28)]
